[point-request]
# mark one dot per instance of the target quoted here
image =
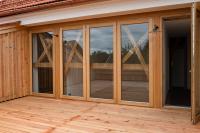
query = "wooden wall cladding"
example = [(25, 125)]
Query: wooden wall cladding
[(14, 65)]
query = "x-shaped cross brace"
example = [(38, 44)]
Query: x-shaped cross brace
[(73, 51), (78, 54), (136, 50), (46, 43)]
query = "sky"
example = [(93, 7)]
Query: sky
[(101, 38)]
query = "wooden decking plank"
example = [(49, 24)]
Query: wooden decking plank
[(46, 115)]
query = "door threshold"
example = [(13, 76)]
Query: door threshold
[(176, 107)]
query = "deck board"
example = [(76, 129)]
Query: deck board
[(46, 115)]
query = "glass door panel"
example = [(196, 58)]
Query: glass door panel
[(135, 62), (42, 57), (101, 62), (73, 63)]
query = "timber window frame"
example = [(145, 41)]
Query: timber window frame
[(85, 27), (119, 62), (62, 29), (51, 59), (112, 24), (154, 18)]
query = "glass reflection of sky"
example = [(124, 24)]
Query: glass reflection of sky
[(70, 35), (51, 33), (138, 31), (101, 39)]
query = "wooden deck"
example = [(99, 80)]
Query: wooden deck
[(45, 115)]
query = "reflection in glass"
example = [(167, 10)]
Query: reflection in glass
[(135, 62), (42, 62), (73, 63), (101, 62)]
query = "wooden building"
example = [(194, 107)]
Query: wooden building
[(126, 52)]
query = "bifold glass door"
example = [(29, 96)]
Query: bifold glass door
[(101, 62), (107, 62), (42, 62), (135, 62), (73, 62)]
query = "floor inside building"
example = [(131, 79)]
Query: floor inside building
[(47, 115), (177, 62), (179, 96)]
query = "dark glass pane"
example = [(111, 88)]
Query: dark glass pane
[(73, 62), (101, 62), (135, 62), (42, 62), (45, 80)]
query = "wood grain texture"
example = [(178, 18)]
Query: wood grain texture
[(156, 56), (16, 72), (34, 115), (195, 54), (157, 63), (14, 65)]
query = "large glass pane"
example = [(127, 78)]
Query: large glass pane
[(73, 62), (42, 62), (135, 62), (101, 62)]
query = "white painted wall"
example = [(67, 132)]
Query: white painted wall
[(100, 9)]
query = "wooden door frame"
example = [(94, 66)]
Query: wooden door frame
[(31, 60), (137, 21), (193, 14), (97, 25), (65, 28), (162, 19), (195, 115)]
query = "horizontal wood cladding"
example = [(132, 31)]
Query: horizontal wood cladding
[(14, 65)]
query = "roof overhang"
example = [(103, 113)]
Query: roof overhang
[(14, 7), (94, 10)]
